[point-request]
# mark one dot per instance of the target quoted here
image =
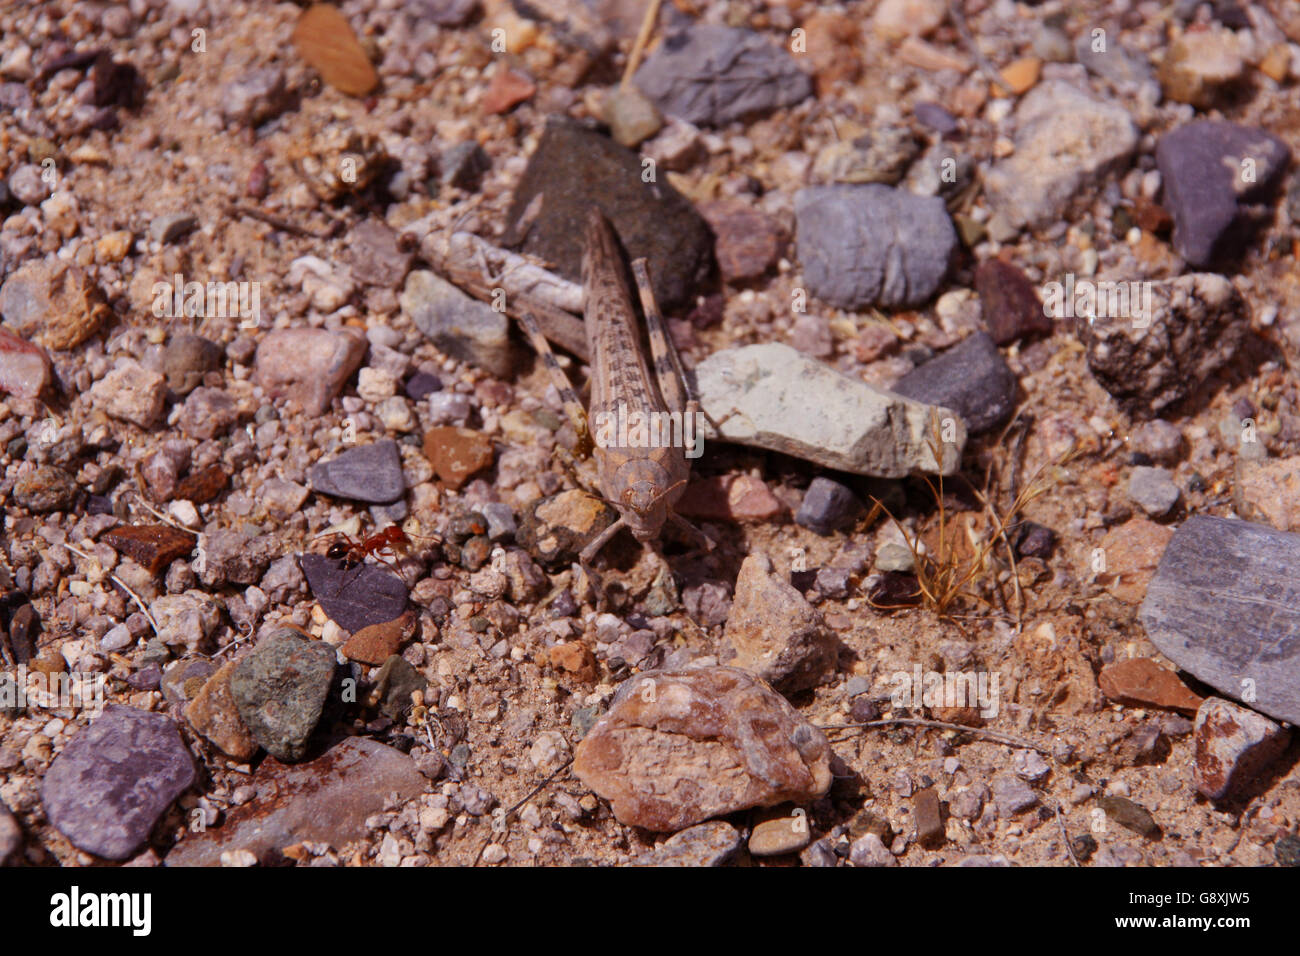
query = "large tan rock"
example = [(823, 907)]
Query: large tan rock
[(679, 747)]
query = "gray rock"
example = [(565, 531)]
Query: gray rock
[(982, 860), (706, 844), (235, 557), (1224, 605), (11, 836), (1012, 795), (374, 255), (1066, 142), (370, 473), (868, 850), (1158, 353), (1233, 745), (445, 13), (171, 226), (280, 689), (967, 804), (463, 166), (1219, 183), (1153, 490), (1130, 815), (324, 801), (1113, 63), (827, 506), (714, 75), (500, 519), (765, 391), (872, 245), (460, 326), (652, 220), (255, 96), (971, 378), (1159, 440), (113, 782)]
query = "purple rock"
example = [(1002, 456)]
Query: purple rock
[(1218, 181), (355, 597), (115, 780)]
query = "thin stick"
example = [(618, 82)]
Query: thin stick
[(992, 735), (162, 517), (642, 39), (1064, 834), (284, 225), (531, 793), (963, 29), (120, 583)]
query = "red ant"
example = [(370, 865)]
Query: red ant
[(392, 540)]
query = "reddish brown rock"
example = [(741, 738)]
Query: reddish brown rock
[(777, 634), (56, 304), (25, 369), (1141, 681), (748, 242), (1233, 744), (376, 643), (574, 659), (326, 41), (213, 714), (457, 453), (508, 89), (1009, 301), (152, 546), (1130, 553), (202, 486), (729, 498), (680, 747)]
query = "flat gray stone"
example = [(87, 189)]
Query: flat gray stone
[(1012, 795), (324, 801), (711, 75), (972, 378), (464, 328), (1153, 490), (766, 392), (872, 244), (370, 473), (117, 777), (1224, 605)]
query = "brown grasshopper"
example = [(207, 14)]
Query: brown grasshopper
[(642, 472)]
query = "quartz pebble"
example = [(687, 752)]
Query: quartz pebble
[(776, 633), (1233, 745)]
